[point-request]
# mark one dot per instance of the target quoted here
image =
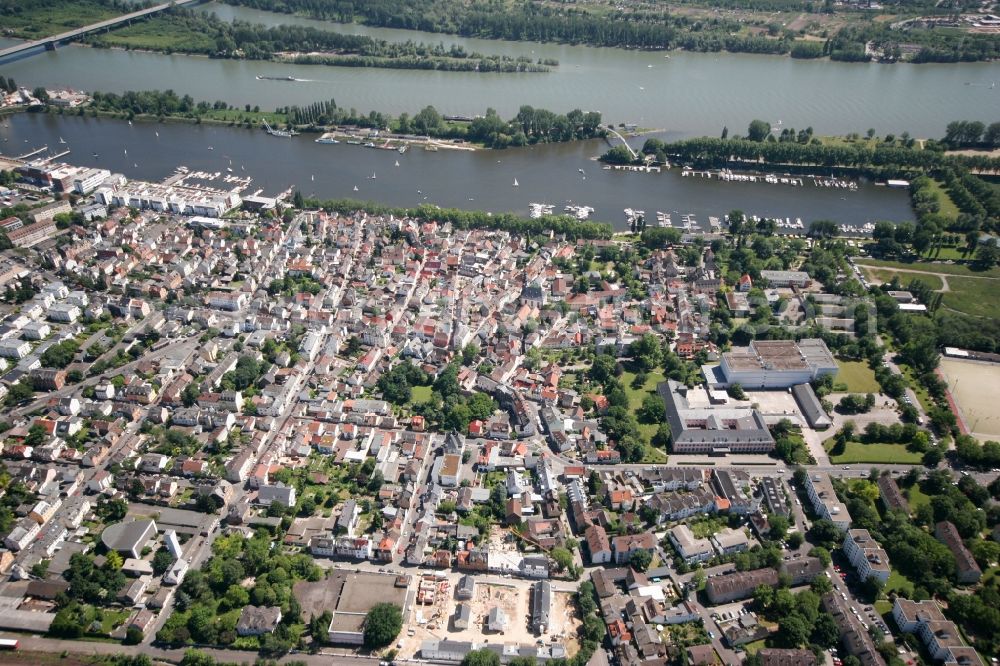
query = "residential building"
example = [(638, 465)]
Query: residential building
[(258, 620), (967, 571), (598, 544), (739, 585), (690, 549), (279, 492), (825, 502), (866, 555), (623, 546)]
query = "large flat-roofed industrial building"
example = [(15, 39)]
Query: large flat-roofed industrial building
[(698, 426), (773, 364)]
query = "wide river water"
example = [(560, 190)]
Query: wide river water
[(482, 180), (689, 93), (686, 94)]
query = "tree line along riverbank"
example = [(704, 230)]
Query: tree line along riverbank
[(530, 126), (902, 33), (855, 38), (198, 33)]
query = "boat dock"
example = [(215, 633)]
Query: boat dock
[(633, 167)]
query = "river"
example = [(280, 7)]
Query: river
[(481, 180), (687, 93)]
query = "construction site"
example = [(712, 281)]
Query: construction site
[(500, 610)]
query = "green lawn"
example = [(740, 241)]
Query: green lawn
[(858, 377), (112, 618), (973, 296), (635, 397), (882, 607), (420, 394), (900, 583), (856, 452), (948, 207), (931, 267), (916, 497), (753, 647), (949, 252), (886, 275)]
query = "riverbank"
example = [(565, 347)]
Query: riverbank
[(195, 33), (850, 36), (557, 174)]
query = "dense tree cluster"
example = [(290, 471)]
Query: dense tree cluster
[(641, 26), (396, 385), (187, 31), (464, 219), (972, 133), (209, 601)]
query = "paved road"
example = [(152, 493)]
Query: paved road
[(40, 644), (100, 25)]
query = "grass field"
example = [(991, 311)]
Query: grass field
[(948, 207), (858, 377), (34, 21), (886, 275), (419, 394), (900, 583), (945, 269), (916, 497), (635, 397), (160, 33), (856, 452), (973, 296)]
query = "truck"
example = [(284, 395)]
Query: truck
[(8, 644)]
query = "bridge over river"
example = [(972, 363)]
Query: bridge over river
[(26, 49)]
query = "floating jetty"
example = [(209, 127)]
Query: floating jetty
[(579, 212), (537, 210), (633, 167)]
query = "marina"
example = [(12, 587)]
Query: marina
[(546, 173)]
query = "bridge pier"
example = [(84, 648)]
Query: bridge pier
[(50, 46)]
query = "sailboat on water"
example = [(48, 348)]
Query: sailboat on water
[(515, 183), (397, 162), (62, 140), (372, 176), (355, 188)]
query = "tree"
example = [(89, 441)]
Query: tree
[(162, 561), (652, 409), (825, 632), (298, 200), (793, 630), (382, 624), (113, 560), (779, 526), (562, 557), (758, 130), (640, 560), (482, 657), (36, 435), (133, 636)]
